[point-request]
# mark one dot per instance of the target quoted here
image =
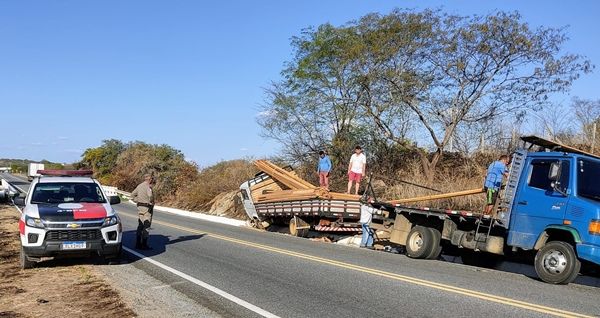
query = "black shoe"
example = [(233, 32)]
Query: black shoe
[(138, 243), (145, 245)]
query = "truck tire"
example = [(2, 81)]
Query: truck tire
[(420, 242), (436, 249), (24, 261), (295, 231), (557, 263)]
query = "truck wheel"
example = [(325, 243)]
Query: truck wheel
[(25, 262), (436, 248), (295, 231), (419, 243), (557, 263)]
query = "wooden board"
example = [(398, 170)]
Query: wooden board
[(555, 146), (438, 196)]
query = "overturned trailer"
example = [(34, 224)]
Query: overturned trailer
[(278, 196)]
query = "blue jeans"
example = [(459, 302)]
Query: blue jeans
[(367, 236)]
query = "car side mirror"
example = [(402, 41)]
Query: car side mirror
[(19, 201), (115, 199), (554, 172)]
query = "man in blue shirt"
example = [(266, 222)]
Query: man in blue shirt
[(493, 181), (323, 169)]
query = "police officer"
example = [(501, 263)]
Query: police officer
[(143, 196)]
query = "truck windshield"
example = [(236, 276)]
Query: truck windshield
[(56, 193), (588, 174)]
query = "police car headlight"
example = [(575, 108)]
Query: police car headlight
[(111, 220), (34, 222)]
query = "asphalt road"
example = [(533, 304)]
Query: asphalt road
[(18, 182), (294, 277)]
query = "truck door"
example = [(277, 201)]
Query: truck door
[(538, 203)]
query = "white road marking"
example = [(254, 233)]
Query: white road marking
[(204, 285)]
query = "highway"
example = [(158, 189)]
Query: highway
[(242, 272)]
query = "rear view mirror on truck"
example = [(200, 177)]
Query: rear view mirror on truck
[(554, 172)]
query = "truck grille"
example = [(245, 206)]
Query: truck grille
[(74, 235)]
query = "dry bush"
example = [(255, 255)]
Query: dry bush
[(223, 177)]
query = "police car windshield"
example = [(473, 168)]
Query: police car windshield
[(588, 174), (56, 193)]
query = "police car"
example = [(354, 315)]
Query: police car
[(67, 213)]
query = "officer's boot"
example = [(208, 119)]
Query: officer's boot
[(145, 245), (138, 242)]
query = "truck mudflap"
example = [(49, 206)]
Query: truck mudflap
[(589, 252)]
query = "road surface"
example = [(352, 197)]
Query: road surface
[(241, 272)]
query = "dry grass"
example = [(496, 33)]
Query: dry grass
[(226, 176), (451, 180)]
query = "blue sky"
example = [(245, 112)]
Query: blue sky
[(186, 73)]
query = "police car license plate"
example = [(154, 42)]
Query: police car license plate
[(74, 245)]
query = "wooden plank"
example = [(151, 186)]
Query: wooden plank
[(555, 146), (438, 196)]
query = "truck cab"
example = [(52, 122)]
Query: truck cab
[(556, 211)]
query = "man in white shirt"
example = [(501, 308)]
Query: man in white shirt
[(366, 216), (357, 169)]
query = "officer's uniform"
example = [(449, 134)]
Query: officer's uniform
[(143, 196)]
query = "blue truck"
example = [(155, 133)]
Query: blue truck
[(549, 207)]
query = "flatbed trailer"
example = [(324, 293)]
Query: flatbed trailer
[(324, 215)]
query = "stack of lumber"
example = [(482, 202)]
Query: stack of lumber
[(287, 186), (291, 180), (438, 196)]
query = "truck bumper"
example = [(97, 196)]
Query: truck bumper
[(589, 252), (54, 249)]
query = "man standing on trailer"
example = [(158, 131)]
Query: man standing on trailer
[(357, 169), (493, 181), (323, 169), (143, 196)]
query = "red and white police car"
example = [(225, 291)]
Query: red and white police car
[(67, 213)]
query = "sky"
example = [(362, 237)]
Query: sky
[(190, 74)]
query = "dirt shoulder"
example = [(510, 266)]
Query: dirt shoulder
[(52, 290)]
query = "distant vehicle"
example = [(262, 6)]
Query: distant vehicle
[(67, 213), (33, 169)]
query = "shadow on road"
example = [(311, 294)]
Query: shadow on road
[(589, 274), (157, 242)]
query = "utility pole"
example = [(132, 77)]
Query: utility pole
[(593, 136)]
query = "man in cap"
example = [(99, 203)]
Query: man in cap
[(143, 196)]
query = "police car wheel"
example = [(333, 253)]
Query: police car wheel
[(25, 262)]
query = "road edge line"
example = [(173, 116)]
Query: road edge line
[(204, 285)]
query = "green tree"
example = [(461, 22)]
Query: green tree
[(428, 73), (102, 159)]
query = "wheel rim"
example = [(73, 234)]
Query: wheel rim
[(555, 262), (416, 241)]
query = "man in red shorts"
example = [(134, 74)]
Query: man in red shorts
[(356, 169)]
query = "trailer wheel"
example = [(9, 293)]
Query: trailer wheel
[(419, 243), (295, 231), (436, 246), (557, 263)]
